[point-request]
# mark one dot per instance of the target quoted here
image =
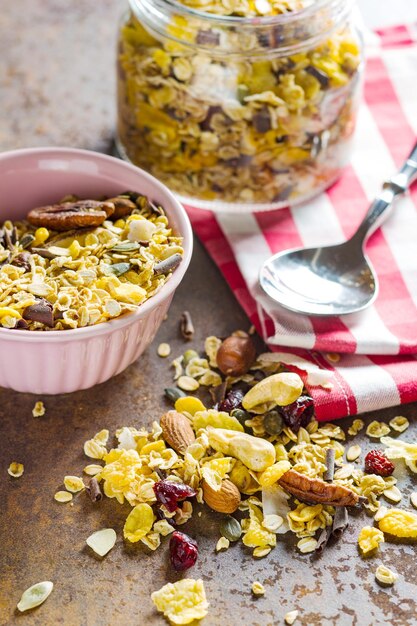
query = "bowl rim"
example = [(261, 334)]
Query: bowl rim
[(74, 334)]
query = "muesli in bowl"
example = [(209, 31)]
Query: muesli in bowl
[(67, 266), (78, 263)]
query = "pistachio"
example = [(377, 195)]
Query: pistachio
[(236, 355)]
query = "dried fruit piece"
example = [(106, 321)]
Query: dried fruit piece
[(256, 453), (139, 522), (279, 389), (271, 475), (35, 595), (232, 400), (177, 431), (169, 493), (183, 551), (224, 500), (369, 539), (15, 469), (299, 413), (377, 463), (69, 215), (183, 601), (317, 490), (236, 355), (399, 523), (189, 404), (102, 541), (385, 576)]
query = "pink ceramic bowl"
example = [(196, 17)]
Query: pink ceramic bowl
[(64, 361)]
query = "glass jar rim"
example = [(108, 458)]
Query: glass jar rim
[(233, 20)]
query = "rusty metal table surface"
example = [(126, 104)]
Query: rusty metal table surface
[(57, 88)]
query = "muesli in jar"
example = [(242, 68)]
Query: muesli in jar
[(244, 103)]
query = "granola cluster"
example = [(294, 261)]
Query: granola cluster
[(221, 114), (80, 263)]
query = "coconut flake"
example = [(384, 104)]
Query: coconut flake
[(102, 541)]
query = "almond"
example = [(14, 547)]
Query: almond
[(177, 431), (226, 500)]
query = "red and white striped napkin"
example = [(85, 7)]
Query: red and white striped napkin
[(377, 367)]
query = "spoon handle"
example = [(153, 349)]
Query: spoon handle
[(395, 186)]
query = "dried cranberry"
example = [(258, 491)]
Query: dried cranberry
[(298, 413), (233, 400), (377, 463), (183, 550), (169, 493)]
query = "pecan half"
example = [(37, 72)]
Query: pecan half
[(317, 490), (69, 215)]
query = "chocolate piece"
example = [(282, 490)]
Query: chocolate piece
[(93, 490), (167, 265), (186, 326)]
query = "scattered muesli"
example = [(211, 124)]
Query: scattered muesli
[(102, 541), (257, 588), (82, 262), (254, 453)]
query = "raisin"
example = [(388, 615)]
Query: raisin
[(377, 463), (233, 400), (298, 413), (183, 551), (169, 493)]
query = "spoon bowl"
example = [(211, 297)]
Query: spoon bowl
[(320, 281), (338, 279)]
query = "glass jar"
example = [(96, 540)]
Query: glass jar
[(238, 113)]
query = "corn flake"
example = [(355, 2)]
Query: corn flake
[(15, 469), (183, 601)]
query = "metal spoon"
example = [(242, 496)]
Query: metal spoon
[(339, 279)]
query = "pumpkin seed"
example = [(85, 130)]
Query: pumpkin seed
[(241, 415), (35, 595), (27, 240), (117, 269), (126, 246), (273, 423), (173, 393), (230, 528)]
